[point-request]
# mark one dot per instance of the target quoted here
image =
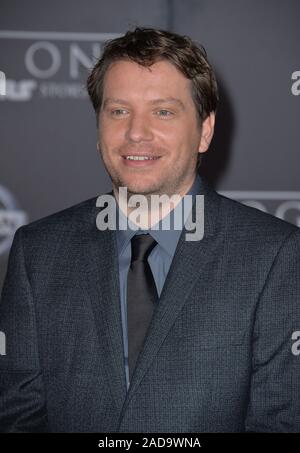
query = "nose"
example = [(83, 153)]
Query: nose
[(138, 129)]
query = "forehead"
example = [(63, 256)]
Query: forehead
[(133, 78)]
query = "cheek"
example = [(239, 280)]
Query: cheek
[(182, 134), (109, 137), (167, 135)]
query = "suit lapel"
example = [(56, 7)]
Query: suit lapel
[(101, 268)]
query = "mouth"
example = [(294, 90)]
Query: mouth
[(134, 160)]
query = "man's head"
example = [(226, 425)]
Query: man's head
[(155, 95)]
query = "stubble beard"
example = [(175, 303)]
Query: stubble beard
[(170, 186)]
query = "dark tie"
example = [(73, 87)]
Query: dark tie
[(141, 295)]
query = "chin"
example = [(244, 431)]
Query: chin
[(139, 187), (142, 189)]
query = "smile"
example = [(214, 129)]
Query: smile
[(140, 157)]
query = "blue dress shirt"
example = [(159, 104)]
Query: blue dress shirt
[(160, 258)]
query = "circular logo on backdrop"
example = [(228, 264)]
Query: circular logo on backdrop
[(11, 218)]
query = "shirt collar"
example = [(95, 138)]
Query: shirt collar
[(167, 239)]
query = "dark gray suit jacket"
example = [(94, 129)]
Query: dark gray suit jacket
[(219, 352)]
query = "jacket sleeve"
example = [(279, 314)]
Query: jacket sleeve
[(274, 404), (22, 397)]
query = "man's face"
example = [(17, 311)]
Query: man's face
[(149, 112)]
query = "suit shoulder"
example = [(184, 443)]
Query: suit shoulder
[(69, 219)]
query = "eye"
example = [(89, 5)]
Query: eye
[(164, 113), (118, 112)]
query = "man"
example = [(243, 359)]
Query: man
[(143, 330)]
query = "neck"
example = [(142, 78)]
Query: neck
[(145, 210)]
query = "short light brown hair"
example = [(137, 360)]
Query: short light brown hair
[(146, 46)]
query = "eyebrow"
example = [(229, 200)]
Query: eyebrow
[(153, 102)]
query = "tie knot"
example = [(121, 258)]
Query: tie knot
[(141, 247)]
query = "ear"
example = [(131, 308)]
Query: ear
[(98, 147), (207, 132)]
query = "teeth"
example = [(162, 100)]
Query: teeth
[(139, 158)]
